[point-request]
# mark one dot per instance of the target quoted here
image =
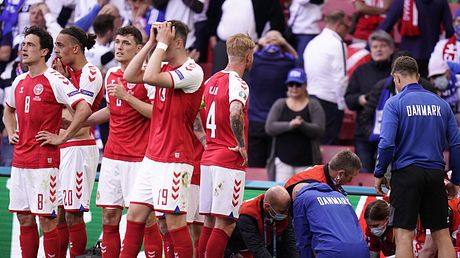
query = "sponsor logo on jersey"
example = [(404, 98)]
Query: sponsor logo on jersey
[(21, 90), (38, 89)]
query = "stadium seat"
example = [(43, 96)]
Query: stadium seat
[(348, 127), (328, 151)]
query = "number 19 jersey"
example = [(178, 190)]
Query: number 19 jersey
[(220, 90)]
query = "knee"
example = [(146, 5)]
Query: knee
[(73, 218), (47, 223), (151, 220), (162, 226), (111, 216), (26, 220), (226, 225), (175, 221)]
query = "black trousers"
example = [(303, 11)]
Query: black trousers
[(334, 118)]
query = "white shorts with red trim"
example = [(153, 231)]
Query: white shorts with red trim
[(193, 210), (163, 186), (34, 190), (221, 191), (77, 173), (116, 182)]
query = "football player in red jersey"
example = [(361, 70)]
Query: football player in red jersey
[(32, 119), (223, 165), (167, 167)]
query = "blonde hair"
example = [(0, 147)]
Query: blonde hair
[(239, 45)]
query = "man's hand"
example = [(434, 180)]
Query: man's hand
[(166, 33), (378, 182), (49, 138), (117, 90), (14, 138), (296, 122), (362, 100), (58, 66), (243, 153), (43, 8)]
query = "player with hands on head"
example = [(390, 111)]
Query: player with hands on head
[(166, 169)]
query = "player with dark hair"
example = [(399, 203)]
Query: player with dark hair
[(79, 155), (32, 119), (164, 175)]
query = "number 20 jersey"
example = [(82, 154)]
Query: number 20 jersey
[(220, 90)]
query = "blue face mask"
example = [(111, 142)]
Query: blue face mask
[(457, 31), (441, 83), (276, 216)]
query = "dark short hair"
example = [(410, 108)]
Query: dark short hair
[(83, 39), (345, 160), (182, 30), (103, 24), (405, 65), (377, 210), (46, 41), (131, 30)]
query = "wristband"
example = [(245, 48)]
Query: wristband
[(162, 45)]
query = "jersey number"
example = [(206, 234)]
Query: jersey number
[(211, 120), (40, 202), (27, 105), (162, 196), (68, 201)]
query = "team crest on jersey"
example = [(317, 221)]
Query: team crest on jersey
[(38, 89), (130, 85)]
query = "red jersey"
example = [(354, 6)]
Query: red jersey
[(199, 149), (39, 102), (174, 112), (129, 129), (220, 90), (89, 81)]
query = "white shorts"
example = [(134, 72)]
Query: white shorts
[(163, 186), (116, 181), (193, 211), (221, 191), (77, 173), (34, 190)]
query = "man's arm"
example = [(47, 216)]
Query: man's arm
[(199, 130), (251, 237), (195, 5), (119, 92), (387, 138), (393, 15), (134, 72), (453, 136), (11, 124), (237, 124), (99, 117), (362, 8), (82, 112)]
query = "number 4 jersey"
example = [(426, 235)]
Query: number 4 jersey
[(220, 90)]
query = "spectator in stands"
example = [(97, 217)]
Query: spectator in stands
[(252, 18), (368, 15), (201, 33), (272, 62), (101, 55), (371, 115), (264, 229), (379, 235), (304, 21), (361, 83), (419, 35), (326, 72), (296, 123), (417, 127), (446, 84), (342, 168), (448, 48), (325, 223)]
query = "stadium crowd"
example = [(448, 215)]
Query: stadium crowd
[(172, 100)]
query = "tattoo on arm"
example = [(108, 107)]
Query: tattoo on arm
[(237, 122), (199, 130)]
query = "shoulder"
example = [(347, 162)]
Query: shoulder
[(54, 77), (112, 70), (92, 70), (20, 78), (279, 103)]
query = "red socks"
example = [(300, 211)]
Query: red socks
[(110, 246), (133, 239), (153, 245), (51, 243), (168, 245), (217, 243), (78, 239), (29, 241), (63, 233), (204, 237), (183, 247)]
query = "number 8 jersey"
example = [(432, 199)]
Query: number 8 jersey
[(220, 90)]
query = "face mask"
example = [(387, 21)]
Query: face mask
[(441, 83), (457, 31), (275, 215), (378, 231)]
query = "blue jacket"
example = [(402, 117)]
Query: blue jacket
[(325, 224), (417, 126)]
